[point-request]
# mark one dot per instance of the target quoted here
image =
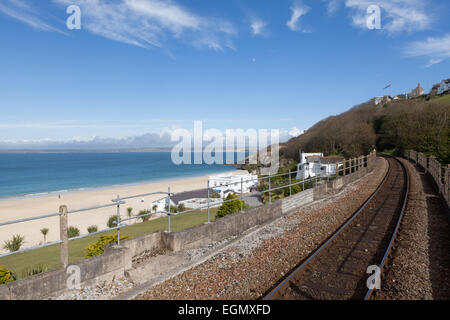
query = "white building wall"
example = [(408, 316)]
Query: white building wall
[(443, 87), (201, 203), (233, 182)]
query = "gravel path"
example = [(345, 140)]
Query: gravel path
[(420, 264), (251, 266)]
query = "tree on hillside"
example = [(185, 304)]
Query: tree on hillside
[(407, 124)]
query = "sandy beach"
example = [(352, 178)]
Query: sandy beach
[(26, 207)]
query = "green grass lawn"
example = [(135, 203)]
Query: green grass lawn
[(49, 256), (444, 98)]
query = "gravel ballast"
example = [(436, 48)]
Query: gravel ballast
[(252, 265)]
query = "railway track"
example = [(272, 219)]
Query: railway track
[(338, 269)]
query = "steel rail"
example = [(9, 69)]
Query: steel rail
[(397, 227), (325, 245)]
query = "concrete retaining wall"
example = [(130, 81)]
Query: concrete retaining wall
[(232, 225), (297, 200), (148, 242), (4, 292), (112, 263)]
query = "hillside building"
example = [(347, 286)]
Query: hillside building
[(444, 87), (382, 100), (197, 199), (417, 92), (315, 164), (224, 184)]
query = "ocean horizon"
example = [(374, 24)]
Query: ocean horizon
[(41, 174)]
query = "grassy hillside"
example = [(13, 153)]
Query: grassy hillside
[(418, 124)]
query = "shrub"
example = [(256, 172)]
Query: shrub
[(73, 232), (15, 243), (6, 276), (173, 209), (294, 189), (39, 268), (142, 213), (98, 248), (155, 207), (215, 195), (112, 221), (231, 207), (129, 212), (92, 229), (181, 207), (44, 232)]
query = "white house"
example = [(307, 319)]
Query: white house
[(225, 184), (191, 200), (380, 100), (201, 203), (444, 86), (315, 164)]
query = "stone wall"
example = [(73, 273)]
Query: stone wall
[(297, 200), (422, 160), (112, 263), (439, 173), (220, 229)]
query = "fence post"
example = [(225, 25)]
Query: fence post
[(290, 183), (64, 249), (344, 168), (209, 220), (168, 207), (270, 192), (118, 220), (242, 207)]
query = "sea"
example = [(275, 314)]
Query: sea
[(38, 174)]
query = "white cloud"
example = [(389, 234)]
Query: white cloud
[(23, 12), (333, 6), (147, 23), (295, 132), (257, 26), (143, 23), (149, 140), (397, 15), (162, 139), (435, 49), (298, 10)]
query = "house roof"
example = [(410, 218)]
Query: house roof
[(325, 160), (196, 194), (330, 160), (313, 158)]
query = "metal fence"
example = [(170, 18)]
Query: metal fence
[(267, 186)]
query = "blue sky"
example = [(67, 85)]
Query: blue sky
[(148, 66)]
